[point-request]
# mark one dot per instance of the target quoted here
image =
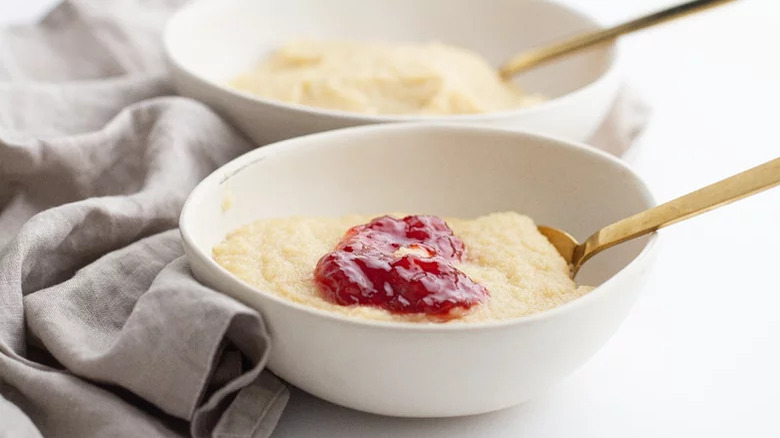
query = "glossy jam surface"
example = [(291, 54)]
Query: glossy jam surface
[(401, 265)]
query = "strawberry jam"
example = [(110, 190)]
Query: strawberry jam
[(401, 265)]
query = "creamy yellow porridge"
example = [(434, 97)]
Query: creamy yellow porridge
[(377, 78), (504, 252)]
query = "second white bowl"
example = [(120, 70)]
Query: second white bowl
[(209, 42)]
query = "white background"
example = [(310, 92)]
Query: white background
[(700, 353)]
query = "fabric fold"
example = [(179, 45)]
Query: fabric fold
[(92, 274)]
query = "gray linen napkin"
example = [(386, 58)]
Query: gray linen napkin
[(103, 331)]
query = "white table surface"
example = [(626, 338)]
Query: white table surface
[(700, 353)]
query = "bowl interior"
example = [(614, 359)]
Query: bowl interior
[(422, 169), (218, 39)]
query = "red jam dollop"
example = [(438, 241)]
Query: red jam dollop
[(365, 269)]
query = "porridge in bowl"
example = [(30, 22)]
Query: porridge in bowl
[(396, 268), (377, 78)]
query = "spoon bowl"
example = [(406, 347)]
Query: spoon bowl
[(741, 185)]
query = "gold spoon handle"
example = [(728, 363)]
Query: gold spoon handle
[(731, 189), (534, 57)]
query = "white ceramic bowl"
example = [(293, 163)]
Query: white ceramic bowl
[(209, 42), (408, 369)]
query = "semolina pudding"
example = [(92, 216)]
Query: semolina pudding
[(494, 267), (378, 78)]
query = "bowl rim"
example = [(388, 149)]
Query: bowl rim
[(610, 74), (236, 165)]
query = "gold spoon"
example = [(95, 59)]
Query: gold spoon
[(731, 189), (540, 55)]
